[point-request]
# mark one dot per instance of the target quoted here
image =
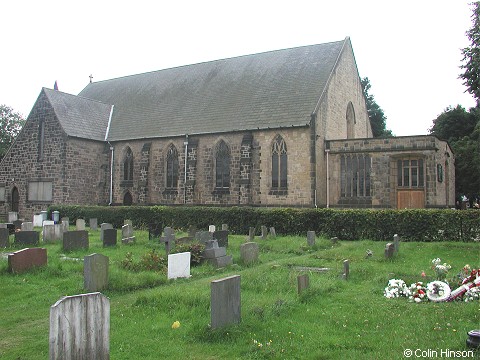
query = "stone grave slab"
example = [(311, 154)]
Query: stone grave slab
[(93, 223), (12, 216), (225, 227), (211, 228), (222, 237), (27, 226), (48, 233), (396, 243), (75, 240), (80, 327), (273, 234), (26, 238), (303, 282), (203, 236), (225, 302), (103, 227), (311, 238), (95, 272), (184, 240), (264, 232), (129, 240), (346, 269), (65, 225), (127, 231), (37, 220), (179, 265), (128, 222), (249, 252), (26, 259), (4, 238), (251, 233), (110, 237), (80, 224)]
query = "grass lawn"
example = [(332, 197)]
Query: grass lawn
[(333, 319)]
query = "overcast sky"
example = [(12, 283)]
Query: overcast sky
[(409, 50)]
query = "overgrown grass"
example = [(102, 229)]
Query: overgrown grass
[(333, 319)]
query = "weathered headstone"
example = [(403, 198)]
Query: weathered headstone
[(396, 243), (26, 259), (192, 230), (249, 252), (154, 231), (225, 227), (251, 233), (37, 220), (273, 234), (80, 224), (110, 237), (303, 282), (127, 222), (95, 272), (12, 216), (215, 255), (203, 236), (264, 232), (48, 233), (168, 239), (75, 240), (334, 240), (129, 240), (222, 237), (225, 302), (93, 223), (103, 227), (65, 218), (4, 238), (179, 265), (211, 228), (27, 226), (311, 238), (184, 240), (346, 269), (65, 225), (80, 328), (48, 222), (127, 231), (389, 250), (26, 238)]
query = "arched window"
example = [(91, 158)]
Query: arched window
[(128, 165), (279, 163), (222, 165), (350, 116), (172, 167), (127, 199), (15, 199)]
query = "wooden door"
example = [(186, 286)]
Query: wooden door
[(410, 199)]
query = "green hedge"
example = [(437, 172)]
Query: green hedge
[(356, 224)]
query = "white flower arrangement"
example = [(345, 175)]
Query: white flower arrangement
[(441, 270), (417, 292), (396, 288), (472, 294)]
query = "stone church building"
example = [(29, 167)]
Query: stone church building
[(280, 128)]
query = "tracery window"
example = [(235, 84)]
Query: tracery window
[(279, 163), (172, 167), (128, 165), (222, 165)]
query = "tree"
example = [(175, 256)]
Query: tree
[(471, 56), (11, 123), (461, 129), (378, 120)]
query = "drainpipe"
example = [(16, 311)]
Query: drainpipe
[(185, 178), (111, 174), (327, 151)]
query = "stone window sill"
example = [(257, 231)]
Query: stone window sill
[(278, 192)]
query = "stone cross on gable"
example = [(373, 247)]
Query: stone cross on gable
[(168, 239)]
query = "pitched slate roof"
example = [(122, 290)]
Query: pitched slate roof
[(78, 116), (268, 90)]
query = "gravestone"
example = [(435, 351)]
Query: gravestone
[(334, 240), (225, 227), (3, 226), (17, 224), (311, 238), (80, 224), (65, 225), (109, 237), (154, 231), (168, 239), (192, 230), (211, 228), (251, 233), (203, 236), (396, 243), (4, 238), (12, 216), (95, 272), (128, 222), (129, 240), (65, 218), (249, 252), (75, 240), (103, 227), (26, 226), (26, 259), (222, 237), (264, 232), (215, 255), (93, 224), (80, 328), (225, 302), (26, 238), (184, 240), (37, 220), (127, 231), (179, 265), (303, 282), (346, 269), (48, 233), (273, 234), (389, 251)]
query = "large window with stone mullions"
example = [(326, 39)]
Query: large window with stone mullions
[(410, 173), (279, 163), (172, 167), (355, 176), (128, 165), (222, 166)]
